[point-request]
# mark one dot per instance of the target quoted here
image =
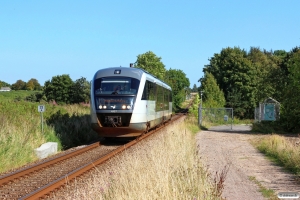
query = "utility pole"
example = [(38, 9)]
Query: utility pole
[(201, 92), (200, 110)]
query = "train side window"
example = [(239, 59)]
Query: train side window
[(166, 98), (160, 98), (152, 91), (149, 92), (145, 95), (157, 98)]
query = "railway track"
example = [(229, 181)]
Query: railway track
[(39, 180)]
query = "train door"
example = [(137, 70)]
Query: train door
[(147, 97)]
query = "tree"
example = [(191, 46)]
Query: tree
[(195, 89), (4, 84), (19, 85), (36, 97), (178, 82), (290, 103), (59, 88), (63, 90), (80, 91), (212, 95), (263, 64), (280, 53), (30, 85), (236, 76), (36, 84), (151, 63)]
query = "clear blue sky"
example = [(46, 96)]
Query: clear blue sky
[(42, 39)]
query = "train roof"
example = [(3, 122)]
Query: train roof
[(125, 71)]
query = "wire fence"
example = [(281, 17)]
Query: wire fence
[(215, 116)]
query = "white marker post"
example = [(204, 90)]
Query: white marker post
[(41, 109)]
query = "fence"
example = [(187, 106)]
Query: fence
[(215, 116)]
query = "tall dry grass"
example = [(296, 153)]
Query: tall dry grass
[(283, 151), (164, 167)]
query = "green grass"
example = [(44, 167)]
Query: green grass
[(192, 124), (267, 193), (19, 94), (192, 117), (270, 127), (242, 121), (21, 131)]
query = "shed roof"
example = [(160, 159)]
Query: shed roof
[(271, 100), (5, 88)]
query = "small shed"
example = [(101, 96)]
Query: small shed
[(5, 89), (268, 110)]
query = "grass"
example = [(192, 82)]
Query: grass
[(20, 129), (267, 193), (16, 94), (20, 132), (192, 123), (166, 166), (284, 152), (270, 127)]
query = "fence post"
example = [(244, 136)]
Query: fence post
[(231, 117), (200, 116)]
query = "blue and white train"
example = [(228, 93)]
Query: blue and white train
[(127, 102)]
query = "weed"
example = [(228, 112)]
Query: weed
[(219, 180), (268, 193)]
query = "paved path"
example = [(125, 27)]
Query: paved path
[(220, 146)]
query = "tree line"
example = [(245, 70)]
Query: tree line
[(175, 78), (242, 79), (62, 89), (32, 84)]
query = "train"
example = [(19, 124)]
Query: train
[(128, 102)]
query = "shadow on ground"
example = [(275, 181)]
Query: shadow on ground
[(231, 128), (72, 129)]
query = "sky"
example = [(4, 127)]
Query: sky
[(43, 39)]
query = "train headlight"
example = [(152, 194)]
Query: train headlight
[(128, 107), (100, 106), (104, 107), (123, 107)]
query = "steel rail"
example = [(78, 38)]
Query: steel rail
[(10, 177), (47, 189)]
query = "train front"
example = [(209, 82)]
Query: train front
[(113, 96)]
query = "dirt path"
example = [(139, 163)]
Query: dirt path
[(222, 146)]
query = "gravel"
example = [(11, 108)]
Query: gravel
[(220, 146)]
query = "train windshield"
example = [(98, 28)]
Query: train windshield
[(116, 85)]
